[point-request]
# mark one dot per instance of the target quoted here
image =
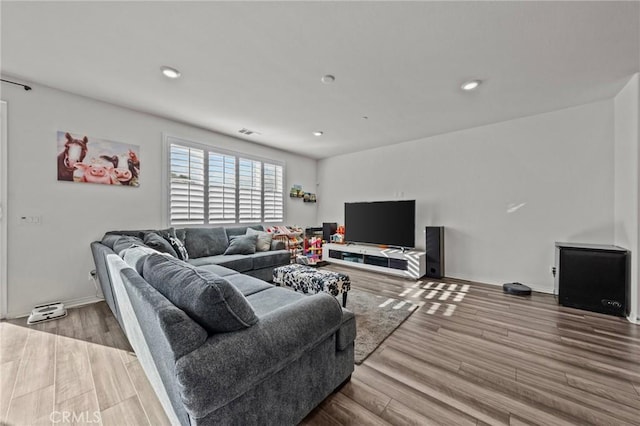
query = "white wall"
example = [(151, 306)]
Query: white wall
[(557, 166), (627, 175), (51, 261)]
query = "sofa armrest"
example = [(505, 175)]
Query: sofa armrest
[(347, 332), (229, 364), (277, 245)]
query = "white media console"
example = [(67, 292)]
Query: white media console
[(408, 264)]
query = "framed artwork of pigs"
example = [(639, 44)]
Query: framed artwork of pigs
[(91, 160)]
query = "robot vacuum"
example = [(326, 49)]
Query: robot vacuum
[(516, 289), (47, 312)]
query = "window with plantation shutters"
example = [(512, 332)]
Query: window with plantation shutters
[(222, 188), (212, 186), (273, 193), (249, 191), (187, 185)]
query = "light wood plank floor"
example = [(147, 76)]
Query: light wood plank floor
[(75, 370), (480, 357), (490, 359)]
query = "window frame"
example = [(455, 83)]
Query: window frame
[(207, 149)]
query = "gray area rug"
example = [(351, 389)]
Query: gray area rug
[(376, 318)]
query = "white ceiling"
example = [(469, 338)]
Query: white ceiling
[(258, 64)]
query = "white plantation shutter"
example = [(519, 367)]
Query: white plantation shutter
[(211, 186), (222, 188), (249, 190), (187, 198), (273, 193)]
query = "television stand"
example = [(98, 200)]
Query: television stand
[(393, 261)]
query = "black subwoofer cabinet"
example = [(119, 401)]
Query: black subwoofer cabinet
[(593, 277)]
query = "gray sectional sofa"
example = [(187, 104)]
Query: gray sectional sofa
[(207, 246), (223, 347)]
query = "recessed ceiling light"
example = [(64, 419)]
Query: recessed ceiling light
[(170, 72), (318, 133), (328, 79), (364, 117), (471, 85)]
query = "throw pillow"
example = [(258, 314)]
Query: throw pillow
[(264, 239), (207, 298), (136, 255), (242, 244), (126, 241), (137, 234), (204, 242), (155, 241), (110, 239), (179, 248)]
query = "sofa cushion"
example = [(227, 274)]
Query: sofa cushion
[(218, 270), (136, 255), (157, 242), (124, 242), (247, 285), (210, 300), (181, 233), (271, 258), (273, 298), (203, 242), (237, 262), (264, 239), (242, 244)]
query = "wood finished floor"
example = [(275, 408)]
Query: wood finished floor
[(76, 368), (493, 359)]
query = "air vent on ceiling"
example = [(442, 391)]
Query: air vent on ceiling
[(247, 132)]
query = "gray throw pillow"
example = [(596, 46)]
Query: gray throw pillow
[(126, 241), (157, 242), (204, 242), (264, 239), (207, 298), (137, 234), (242, 244), (110, 239)]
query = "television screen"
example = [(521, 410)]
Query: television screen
[(391, 223)]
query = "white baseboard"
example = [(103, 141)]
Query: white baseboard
[(71, 303), (536, 288)]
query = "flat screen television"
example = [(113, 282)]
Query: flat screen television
[(390, 223)]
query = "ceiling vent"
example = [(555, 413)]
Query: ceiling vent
[(247, 132)]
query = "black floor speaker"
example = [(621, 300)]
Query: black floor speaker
[(328, 229), (435, 251)]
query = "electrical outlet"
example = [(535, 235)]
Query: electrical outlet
[(31, 220)]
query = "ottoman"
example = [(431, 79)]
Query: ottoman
[(308, 280)]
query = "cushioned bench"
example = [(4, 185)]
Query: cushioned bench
[(308, 280)]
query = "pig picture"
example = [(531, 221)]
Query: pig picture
[(102, 162), (96, 173)]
